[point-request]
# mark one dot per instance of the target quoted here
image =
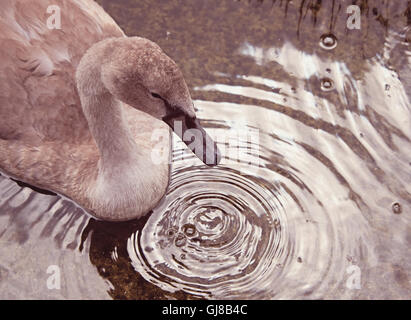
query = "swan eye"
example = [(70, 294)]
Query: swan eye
[(157, 96)]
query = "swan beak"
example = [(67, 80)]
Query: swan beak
[(191, 132)]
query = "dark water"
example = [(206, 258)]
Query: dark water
[(314, 121)]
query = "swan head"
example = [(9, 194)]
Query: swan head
[(140, 74)]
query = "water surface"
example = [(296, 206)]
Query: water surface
[(316, 190)]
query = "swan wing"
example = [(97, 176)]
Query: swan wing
[(38, 98)]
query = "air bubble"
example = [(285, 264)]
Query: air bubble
[(170, 233), (189, 230), (396, 208), (328, 41), (327, 84), (180, 240)]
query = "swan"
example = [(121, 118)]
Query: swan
[(79, 106)]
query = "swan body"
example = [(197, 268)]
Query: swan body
[(79, 107)]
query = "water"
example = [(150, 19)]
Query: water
[(320, 195)]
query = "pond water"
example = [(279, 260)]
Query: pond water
[(312, 198)]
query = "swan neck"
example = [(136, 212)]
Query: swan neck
[(110, 130)]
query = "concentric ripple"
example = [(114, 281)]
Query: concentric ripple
[(324, 201), (228, 236), (328, 41)]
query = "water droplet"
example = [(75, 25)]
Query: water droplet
[(396, 208), (328, 41), (180, 240), (327, 84), (103, 271), (189, 230), (387, 87), (171, 232)]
